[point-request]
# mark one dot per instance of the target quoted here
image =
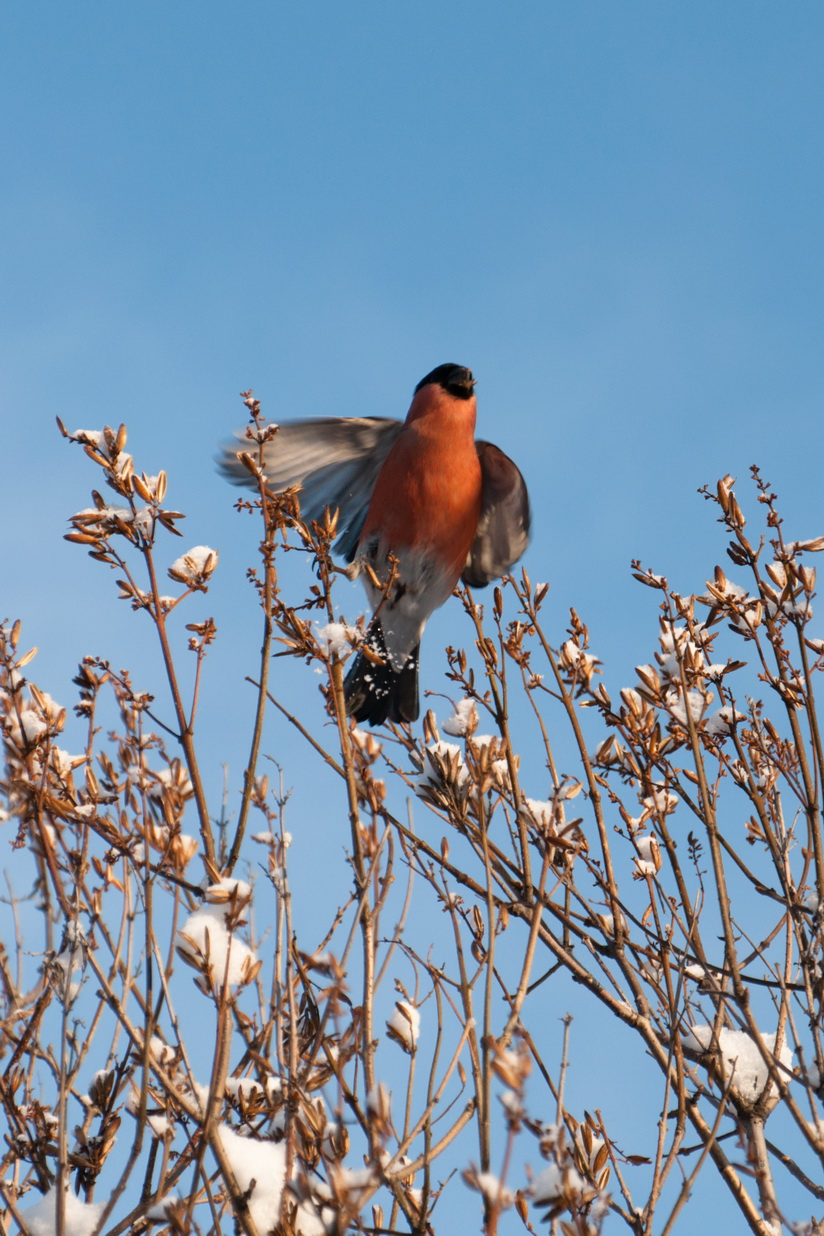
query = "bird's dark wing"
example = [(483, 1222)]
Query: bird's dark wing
[(334, 460), (503, 529)]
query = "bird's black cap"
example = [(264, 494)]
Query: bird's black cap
[(456, 379)]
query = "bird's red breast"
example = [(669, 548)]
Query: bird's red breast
[(428, 494)]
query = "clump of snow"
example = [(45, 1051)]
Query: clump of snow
[(265, 1163), (347, 1181), (812, 1075), (80, 1217), (93, 437), (511, 1067), (512, 1105), (577, 658), (195, 566), (28, 728), (541, 812), (696, 702), (743, 1063), (49, 706), (103, 518), (500, 770), (144, 523), (736, 592), (162, 1052), (595, 1147), (70, 962), (337, 639), (378, 1101), (557, 1182), (100, 1088), (176, 779), (98, 440), (648, 860), (207, 935), (696, 972), (404, 1025), (661, 800), (64, 763), (250, 1089), (481, 741), (463, 720), (633, 700), (491, 1188), (200, 1094), (366, 740), (158, 1122), (440, 760), (160, 1211), (721, 722)]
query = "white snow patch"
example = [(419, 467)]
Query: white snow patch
[(742, 1060), (696, 972), (80, 1217), (695, 703), (661, 800), (647, 851), (336, 639), (462, 720), (556, 1182), (251, 1088), (480, 741), (490, 1186), (721, 722), (160, 1210), (29, 727), (195, 565), (206, 932), (405, 1024), (265, 1163), (540, 811), (446, 753)]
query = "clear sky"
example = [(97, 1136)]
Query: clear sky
[(612, 212)]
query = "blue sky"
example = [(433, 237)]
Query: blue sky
[(611, 212)]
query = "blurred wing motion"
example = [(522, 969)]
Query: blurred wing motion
[(334, 460), (503, 529)]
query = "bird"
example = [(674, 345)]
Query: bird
[(422, 492)]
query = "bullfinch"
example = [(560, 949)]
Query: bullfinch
[(444, 506)]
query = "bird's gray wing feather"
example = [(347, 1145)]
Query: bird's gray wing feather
[(503, 529), (334, 460)]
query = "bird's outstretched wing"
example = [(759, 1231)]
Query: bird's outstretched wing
[(334, 460), (503, 529)]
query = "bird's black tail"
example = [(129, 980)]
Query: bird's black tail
[(374, 690)]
